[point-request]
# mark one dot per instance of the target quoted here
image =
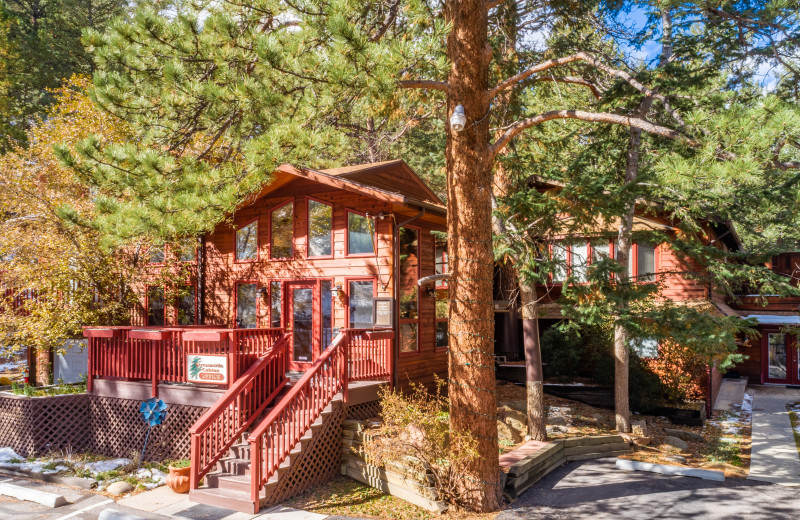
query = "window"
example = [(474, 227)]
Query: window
[(186, 306), (409, 292), (320, 228), (559, 258), (186, 250), (646, 262), (155, 306), (282, 236), (600, 251), (247, 242), (326, 297), (577, 262), (440, 260), (360, 233), (246, 305), (156, 254), (275, 306), (644, 347), (442, 325), (361, 294)]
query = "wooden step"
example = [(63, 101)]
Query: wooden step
[(234, 466), (232, 482), (226, 498)]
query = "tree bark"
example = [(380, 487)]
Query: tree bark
[(534, 377), (471, 386)]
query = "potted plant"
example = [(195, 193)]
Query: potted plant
[(178, 478)]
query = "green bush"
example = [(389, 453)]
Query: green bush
[(561, 352)]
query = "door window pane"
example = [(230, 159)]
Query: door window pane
[(326, 297), (282, 220), (186, 309), (777, 355), (360, 231), (646, 263), (408, 337), (442, 335), (645, 347), (247, 242), (409, 273), (246, 294), (302, 323), (361, 304), (320, 227), (155, 306), (275, 304)]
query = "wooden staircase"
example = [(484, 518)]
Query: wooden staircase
[(230, 483)]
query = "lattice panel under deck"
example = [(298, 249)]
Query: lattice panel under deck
[(16, 426), (319, 463), (62, 422), (363, 411)]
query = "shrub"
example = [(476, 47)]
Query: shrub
[(416, 432), (561, 351)]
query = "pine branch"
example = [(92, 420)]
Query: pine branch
[(424, 84), (595, 117)]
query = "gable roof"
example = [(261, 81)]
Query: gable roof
[(393, 175)]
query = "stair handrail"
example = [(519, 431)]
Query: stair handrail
[(335, 356), (235, 401)]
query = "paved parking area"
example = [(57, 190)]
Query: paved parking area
[(596, 490)]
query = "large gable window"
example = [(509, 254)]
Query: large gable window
[(247, 242), (360, 233), (361, 295), (282, 231), (320, 228)]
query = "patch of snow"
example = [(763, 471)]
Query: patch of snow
[(7, 454), (5, 367), (158, 477), (747, 404), (105, 465)]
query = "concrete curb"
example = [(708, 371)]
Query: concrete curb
[(32, 495), (705, 474), (110, 514), (82, 483)]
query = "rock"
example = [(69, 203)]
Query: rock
[(676, 458), (627, 438), (685, 435), (639, 428), (520, 405), (556, 429), (507, 434), (119, 488), (676, 443), (643, 441), (352, 424), (557, 419), (514, 419), (602, 421)]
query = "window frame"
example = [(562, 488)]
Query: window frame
[(272, 210), (163, 261), (195, 247), (418, 319), (176, 307), (347, 253), (638, 277), (308, 228), (236, 259), (440, 284), (268, 285), (347, 280), (236, 301)]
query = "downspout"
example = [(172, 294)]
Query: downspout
[(396, 290), (201, 278)]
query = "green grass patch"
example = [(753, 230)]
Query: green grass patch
[(725, 449)]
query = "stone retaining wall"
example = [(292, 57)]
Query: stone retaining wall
[(532, 468)]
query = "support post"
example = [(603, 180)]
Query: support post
[(154, 367)]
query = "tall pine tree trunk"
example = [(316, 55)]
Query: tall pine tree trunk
[(471, 387), (534, 376), (624, 242)]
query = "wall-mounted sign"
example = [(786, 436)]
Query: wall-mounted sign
[(207, 369), (383, 313)]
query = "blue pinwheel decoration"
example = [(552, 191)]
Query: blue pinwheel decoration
[(153, 411)]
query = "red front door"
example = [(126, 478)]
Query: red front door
[(780, 357), (302, 323)]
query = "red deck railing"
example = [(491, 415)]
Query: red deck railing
[(369, 354), (224, 423), (139, 354)]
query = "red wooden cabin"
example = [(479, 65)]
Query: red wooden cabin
[(309, 288)]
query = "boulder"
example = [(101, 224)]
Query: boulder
[(676, 458), (676, 443), (556, 429), (639, 428), (119, 488), (514, 419), (507, 434), (642, 441), (556, 419), (685, 435)]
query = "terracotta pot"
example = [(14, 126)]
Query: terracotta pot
[(178, 479)]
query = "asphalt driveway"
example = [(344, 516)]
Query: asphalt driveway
[(596, 490)]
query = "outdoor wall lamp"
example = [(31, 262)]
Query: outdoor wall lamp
[(262, 292), (338, 292), (458, 119)]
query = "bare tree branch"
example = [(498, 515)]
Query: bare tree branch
[(595, 117), (491, 4), (577, 81)]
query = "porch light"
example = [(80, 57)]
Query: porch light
[(338, 292), (458, 119), (262, 292)]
